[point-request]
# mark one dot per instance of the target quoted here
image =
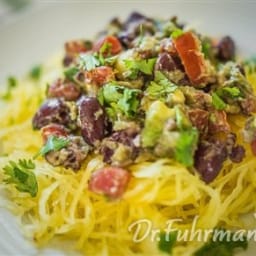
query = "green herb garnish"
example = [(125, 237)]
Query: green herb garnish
[(217, 102), (167, 241), (53, 144), (71, 72), (222, 248), (177, 33), (183, 122), (36, 72), (21, 175), (105, 50), (160, 88), (11, 83), (119, 100), (89, 62), (186, 146), (144, 66), (232, 92)]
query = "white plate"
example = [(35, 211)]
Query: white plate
[(33, 36)]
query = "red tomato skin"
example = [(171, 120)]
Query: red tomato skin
[(115, 45), (189, 50), (109, 181), (53, 130), (99, 76)]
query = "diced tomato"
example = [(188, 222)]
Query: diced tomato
[(53, 130), (189, 50), (113, 46), (253, 147), (66, 90), (99, 75), (109, 181), (75, 47), (218, 122)]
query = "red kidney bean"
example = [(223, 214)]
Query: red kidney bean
[(52, 111), (91, 119), (53, 129), (209, 159), (120, 139), (66, 90), (237, 154), (168, 62), (226, 49)]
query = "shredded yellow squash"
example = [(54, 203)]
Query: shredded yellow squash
[(159, 191)]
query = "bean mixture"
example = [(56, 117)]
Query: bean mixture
[(147, 89)]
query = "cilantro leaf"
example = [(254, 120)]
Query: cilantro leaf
[(89, 62), (11, 83), (36, 72), (129, 102), (217, 102), (110, 60), (232, 92), (186, 146), (177, 33), (20, 174), (224, 247), (119, 100), (209, 50), (103, 56), (53, 144), (206, 48), (144, 66), (167, 241), (160, 88), (70, 73), (162, 80)]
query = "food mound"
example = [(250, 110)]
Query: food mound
[(150, 120)]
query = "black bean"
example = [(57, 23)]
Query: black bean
[(91, 119), (226, 49), (209, 159), (52, 111)]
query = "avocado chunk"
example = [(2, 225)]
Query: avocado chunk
[(156, 117)]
